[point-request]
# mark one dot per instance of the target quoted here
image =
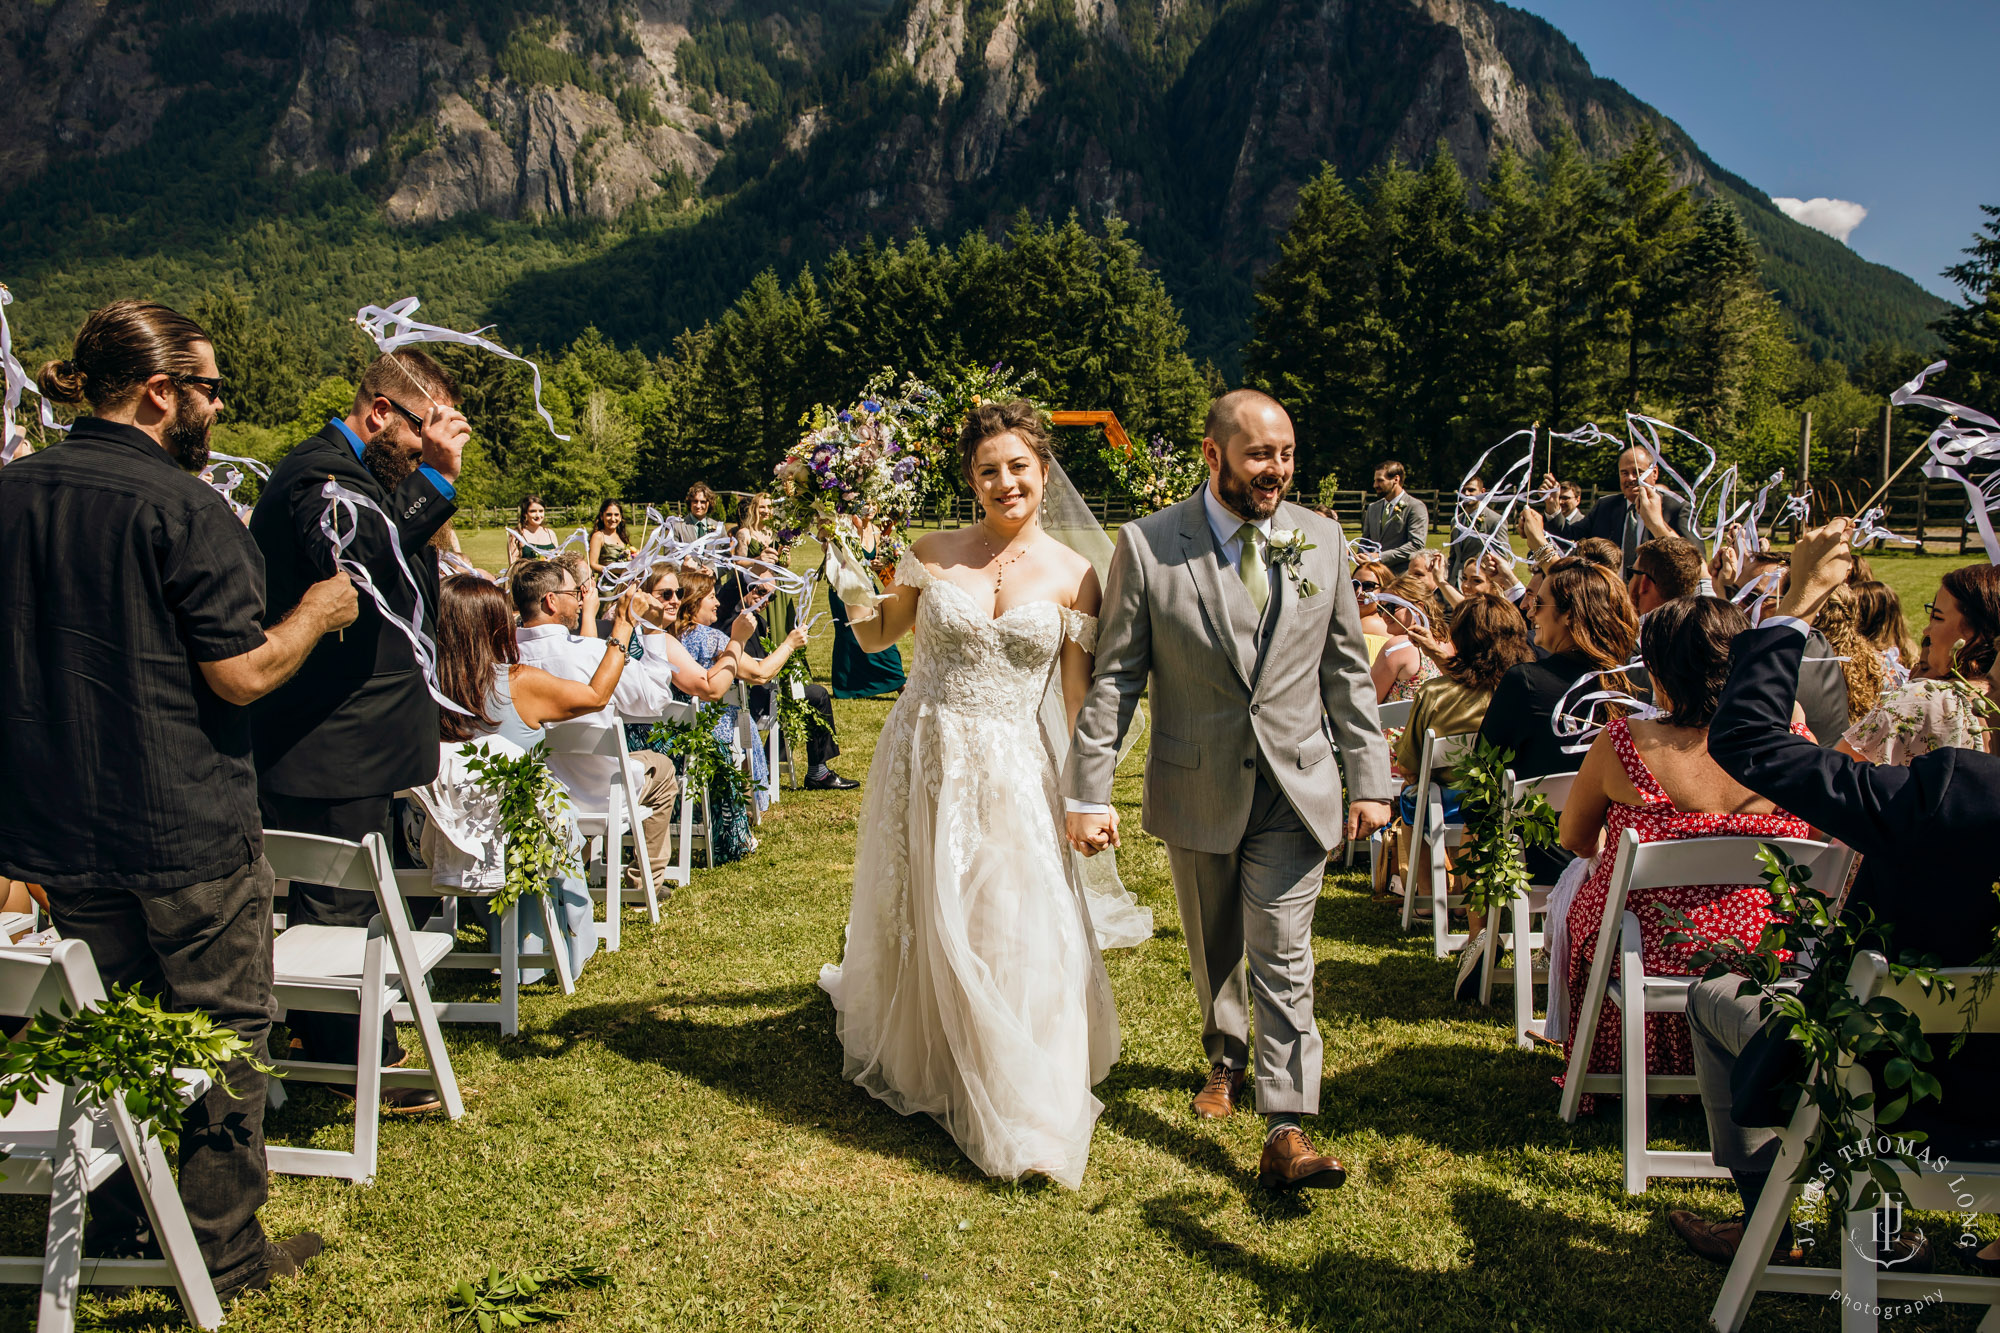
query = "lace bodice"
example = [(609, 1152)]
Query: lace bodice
[(970, 662)]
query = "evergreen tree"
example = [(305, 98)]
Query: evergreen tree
[(1971, 332), (266, 366), (1312, 342), (1649, 221), (1721, 308)]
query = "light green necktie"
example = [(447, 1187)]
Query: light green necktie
[(1256, 581)]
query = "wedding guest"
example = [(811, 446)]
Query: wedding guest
[(1657, 779), (701, 520), (1487, 639), (822, 745), (135, 606), (534, 539), (1401, 667), (610, 539), (550, 604), (659, 644), (480, 669), (1598, 551), (753, 534), (1582, 619), (1479, 524), (1882, 623), (1638, 510), (358, 722), (857, 674), (1949, 701), (1396, 521), (729, 835), (1924, 832), (1860, 665), (1371, 577), (1664, 570), (1564, 516)]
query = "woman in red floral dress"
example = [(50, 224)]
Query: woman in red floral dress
[(1655, 777)]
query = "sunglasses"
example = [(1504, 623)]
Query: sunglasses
[(211, 384), (1367, 585), (415, 421)]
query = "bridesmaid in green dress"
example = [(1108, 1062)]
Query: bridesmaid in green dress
[(856, 674)]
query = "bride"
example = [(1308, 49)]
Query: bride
[(972, 989)]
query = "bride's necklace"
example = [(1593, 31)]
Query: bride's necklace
[(1000, 561)]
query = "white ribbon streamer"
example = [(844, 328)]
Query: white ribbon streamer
[(342, 502), (1580, 729), (391, 328), (1954, 447), (12, 436)]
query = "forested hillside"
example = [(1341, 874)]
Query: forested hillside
[(564, 164)]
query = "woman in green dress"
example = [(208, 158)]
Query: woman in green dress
[(610, 542)]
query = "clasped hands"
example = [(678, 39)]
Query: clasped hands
[(1091, 833)]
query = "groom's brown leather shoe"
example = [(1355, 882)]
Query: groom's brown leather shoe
[(1219, 1096), (1290, 1163)]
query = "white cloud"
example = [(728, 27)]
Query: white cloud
[(1836, 217)]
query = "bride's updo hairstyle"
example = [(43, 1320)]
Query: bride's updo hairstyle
[(119, 348), (987, 420)]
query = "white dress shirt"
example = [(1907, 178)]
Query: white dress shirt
[(643, 691), (1228, 528)]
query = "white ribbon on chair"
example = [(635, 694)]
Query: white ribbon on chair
[(345, 503)]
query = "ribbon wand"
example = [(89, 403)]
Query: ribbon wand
[(1915, 454)]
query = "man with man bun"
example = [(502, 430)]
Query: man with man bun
[(133, 606)]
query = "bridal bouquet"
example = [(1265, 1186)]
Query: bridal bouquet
[(862, 462)]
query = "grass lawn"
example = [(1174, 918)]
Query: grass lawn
[(682, 1121)]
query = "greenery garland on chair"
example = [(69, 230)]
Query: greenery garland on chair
[(128, 1044), (795, 719), (1498, 828), (705, 760), (533, 827), (1818, 1014)]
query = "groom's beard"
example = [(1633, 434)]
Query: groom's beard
[(1244, 499), (388, 462)]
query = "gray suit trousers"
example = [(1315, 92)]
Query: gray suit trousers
[(1257, 902), (1722, 1023)]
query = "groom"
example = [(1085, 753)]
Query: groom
[(1253, 655)]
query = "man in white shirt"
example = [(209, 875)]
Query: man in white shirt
[(551, 609)]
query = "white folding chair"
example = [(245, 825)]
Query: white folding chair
[(1432, 837), (690, 825), (1653, 865), (348, 970), (1965, 1188), (59, 1148), (1390, 715), (622, 814), (505, 955), (1524, 939)]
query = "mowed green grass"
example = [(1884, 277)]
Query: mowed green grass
[(682, 1120)]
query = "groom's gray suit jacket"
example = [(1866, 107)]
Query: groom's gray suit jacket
[(1225, 688)]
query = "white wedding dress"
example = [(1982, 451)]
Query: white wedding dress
[(972, 989)]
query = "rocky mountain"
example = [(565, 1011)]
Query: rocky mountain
[(719, 136)]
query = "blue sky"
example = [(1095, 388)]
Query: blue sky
[(1875, 103)]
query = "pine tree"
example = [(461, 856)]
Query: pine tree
[(1650, 221), (1311, 341), (1721, 308), (1971, 332)]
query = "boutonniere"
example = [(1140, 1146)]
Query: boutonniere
[(1287, 549)]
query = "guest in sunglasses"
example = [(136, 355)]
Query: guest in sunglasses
[(1370, 578)]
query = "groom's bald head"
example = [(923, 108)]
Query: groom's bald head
[(1250, 450), (1230, 414)]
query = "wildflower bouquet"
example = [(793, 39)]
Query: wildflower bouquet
[(1157, 475)]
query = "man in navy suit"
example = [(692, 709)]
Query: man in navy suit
[(1639, 512), (1926, 838)]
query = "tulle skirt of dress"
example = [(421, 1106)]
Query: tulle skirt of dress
[(972, 989)]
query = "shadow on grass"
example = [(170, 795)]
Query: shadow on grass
[(786, 1064), (1520, 1265)]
